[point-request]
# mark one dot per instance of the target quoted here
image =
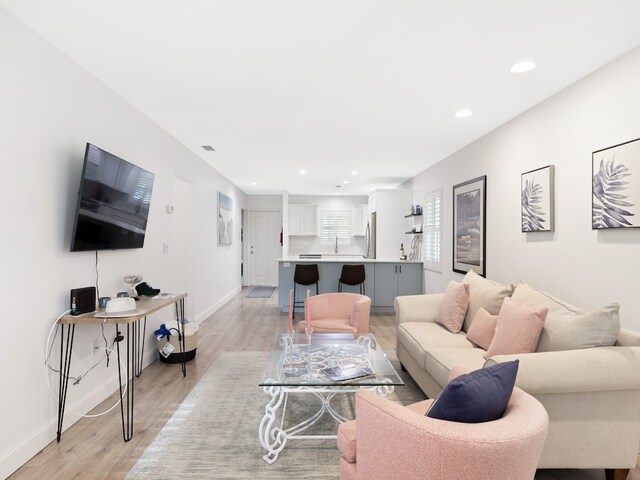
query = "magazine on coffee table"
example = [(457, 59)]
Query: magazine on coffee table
[(340, 374)]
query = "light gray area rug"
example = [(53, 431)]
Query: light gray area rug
[(214, 433)]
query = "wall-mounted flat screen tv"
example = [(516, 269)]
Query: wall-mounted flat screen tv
[(113, 203)]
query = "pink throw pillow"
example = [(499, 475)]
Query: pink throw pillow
[(454, 306), (517, 330), (482, 329)]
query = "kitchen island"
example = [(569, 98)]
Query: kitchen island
[(385, 279)]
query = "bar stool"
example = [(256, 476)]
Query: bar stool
[(352, 275), (304, 274)]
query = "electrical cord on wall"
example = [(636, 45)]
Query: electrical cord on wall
[(48, 350), (97, 287), (106, 344)]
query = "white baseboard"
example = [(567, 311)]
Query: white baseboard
[(216, 306)]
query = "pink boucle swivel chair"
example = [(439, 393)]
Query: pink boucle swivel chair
[(397, 442), (338, 313)]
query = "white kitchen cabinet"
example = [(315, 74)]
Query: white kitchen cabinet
[(359, 216), (303, 220)]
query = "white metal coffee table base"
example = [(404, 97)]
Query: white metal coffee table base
[(273, 436)]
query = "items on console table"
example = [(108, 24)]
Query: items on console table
[(135, 336)]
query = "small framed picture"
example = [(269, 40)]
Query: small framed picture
[(225, 219), (536, 196), (616, 186), (469, 232)]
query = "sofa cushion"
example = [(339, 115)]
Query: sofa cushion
[(454, 306), (517, 330), (568, 327), (483, 293), (420, 337), (479, 396), (440, 361), (482, 328)]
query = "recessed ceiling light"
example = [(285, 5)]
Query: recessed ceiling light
[(303, 172), (521, 67), (254, 183), (463, 113), (208, 148), (354, 172), (345, 182)]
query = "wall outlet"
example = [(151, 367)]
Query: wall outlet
[(96, 348)]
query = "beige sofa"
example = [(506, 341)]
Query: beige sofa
[(592, 395)]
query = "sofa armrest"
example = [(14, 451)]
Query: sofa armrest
[(574, 371), (417, 308)]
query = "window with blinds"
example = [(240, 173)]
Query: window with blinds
[(335, 223), (432, 231)]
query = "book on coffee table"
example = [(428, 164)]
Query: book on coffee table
[(341, 374)]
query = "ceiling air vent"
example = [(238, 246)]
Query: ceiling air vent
[(208, 148)]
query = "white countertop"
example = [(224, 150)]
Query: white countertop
[(340, 259)]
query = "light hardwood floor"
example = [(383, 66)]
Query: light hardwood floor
[(94, 449)]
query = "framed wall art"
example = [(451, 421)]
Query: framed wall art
[(615, 186), (225, 219), (536, 195), (469, 232)]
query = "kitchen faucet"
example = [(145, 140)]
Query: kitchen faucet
[(336, 244)]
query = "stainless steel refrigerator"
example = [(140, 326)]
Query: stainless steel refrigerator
[(370, 237)]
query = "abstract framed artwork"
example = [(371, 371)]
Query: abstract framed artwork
[(615, 186), (536, 194), (225, 219), (469, 222)]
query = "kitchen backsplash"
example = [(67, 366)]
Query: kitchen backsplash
[(298, 245)]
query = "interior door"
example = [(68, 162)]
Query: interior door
[(264, 246)]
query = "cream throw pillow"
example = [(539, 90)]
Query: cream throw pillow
[(483, 293), (454, 306), (517, 330), (482, 328), (568, 327)]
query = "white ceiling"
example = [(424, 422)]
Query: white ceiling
[(332, 86)]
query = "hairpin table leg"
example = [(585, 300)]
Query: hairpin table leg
[(65, 366)]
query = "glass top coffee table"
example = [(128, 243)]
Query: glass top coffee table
[(322, 365)]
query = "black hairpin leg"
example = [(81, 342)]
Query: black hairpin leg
[(180, 319), (140, 345), (127, 397), (65, 366)]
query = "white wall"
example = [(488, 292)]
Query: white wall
[(587, 268), (50, 109)]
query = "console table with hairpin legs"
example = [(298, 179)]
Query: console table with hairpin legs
[(134, 336)]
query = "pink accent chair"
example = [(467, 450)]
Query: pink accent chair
[(397, 442), (338, 313)]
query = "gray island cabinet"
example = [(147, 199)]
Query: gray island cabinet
[(385, 280)]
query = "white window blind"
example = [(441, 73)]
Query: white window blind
[(432, 231), (335, 223)]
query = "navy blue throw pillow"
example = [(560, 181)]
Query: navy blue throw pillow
[(479, 396)]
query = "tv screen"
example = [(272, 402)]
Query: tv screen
[(113, 203)]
